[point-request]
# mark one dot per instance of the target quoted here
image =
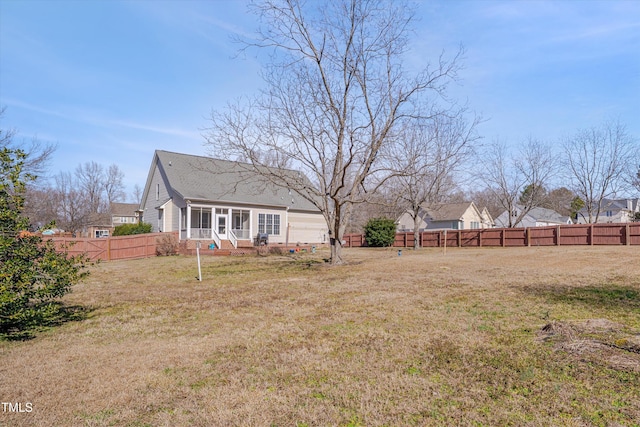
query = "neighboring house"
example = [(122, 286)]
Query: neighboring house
[(536, 217), (103, 224), (456, 216), (99, 225), (224, 202), (613, 210), (124, 213)]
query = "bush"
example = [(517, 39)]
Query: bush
[(129, 229), (33, 275), (380, 232), (166, 245)]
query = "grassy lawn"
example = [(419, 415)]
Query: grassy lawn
[(473, 337)]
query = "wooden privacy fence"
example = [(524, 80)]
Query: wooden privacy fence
[(111, 248), (579, 234)]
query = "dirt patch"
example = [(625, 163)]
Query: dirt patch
[(596, 341)]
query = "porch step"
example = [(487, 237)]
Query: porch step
[(226, 245)]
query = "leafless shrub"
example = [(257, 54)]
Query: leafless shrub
[(167, 245)]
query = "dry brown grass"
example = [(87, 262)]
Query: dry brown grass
[(530, 336)]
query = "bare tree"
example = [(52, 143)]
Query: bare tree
[(90, 179), (560, 200), (335, 92), (598, 162), (36, 165), (518, 182), (38, 154), (41, 204), (486, 198), (137, 194), (427, 158), (634, 178), (82, 196), (72, 207), (113, 185)]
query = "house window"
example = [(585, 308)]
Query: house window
[(475, 224), (609, 213), (101, 233), (454, 225), (269, 223)]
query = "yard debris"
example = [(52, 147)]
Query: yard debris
[(595, 341)]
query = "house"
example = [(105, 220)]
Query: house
[(613, 210), (225, 203), (456, 216), (536, 217), (103, 224), (124, 213), (98, 225)]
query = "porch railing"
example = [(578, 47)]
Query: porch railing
[(242, 234), (233, 239), (216, 238), (201, 233), (206, 233)]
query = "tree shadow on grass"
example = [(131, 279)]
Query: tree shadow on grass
[(56, 314), (605, 296)]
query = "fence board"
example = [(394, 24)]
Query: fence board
[(578, 234), (111, 248)]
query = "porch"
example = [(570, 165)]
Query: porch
[(216, 224)]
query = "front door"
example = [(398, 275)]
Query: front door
[(221, 225)]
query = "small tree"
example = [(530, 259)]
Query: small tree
[(576, 205), (380, 232), (33, 275)]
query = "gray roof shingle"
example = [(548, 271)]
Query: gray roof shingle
[(208, 179)]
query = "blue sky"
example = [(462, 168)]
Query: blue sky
[(111, 81)]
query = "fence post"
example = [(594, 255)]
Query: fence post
[(445, 242), (558, 235), (627, 236), (503, 239), (591, 235)]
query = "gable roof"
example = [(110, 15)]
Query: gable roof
[(547, 215), (449, 211), (199, 178), (620, 204), (124, 209)]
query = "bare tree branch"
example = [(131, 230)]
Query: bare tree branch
[(598, 162), (336, 92)]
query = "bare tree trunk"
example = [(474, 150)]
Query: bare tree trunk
[(416, 229)]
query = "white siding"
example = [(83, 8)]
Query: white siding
[(273, 238), (405, 222), (307, 228)]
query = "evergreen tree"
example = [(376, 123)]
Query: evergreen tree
[(33, 275)]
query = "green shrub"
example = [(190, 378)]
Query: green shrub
[(129, 229), (380, 232), (33, 275)]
